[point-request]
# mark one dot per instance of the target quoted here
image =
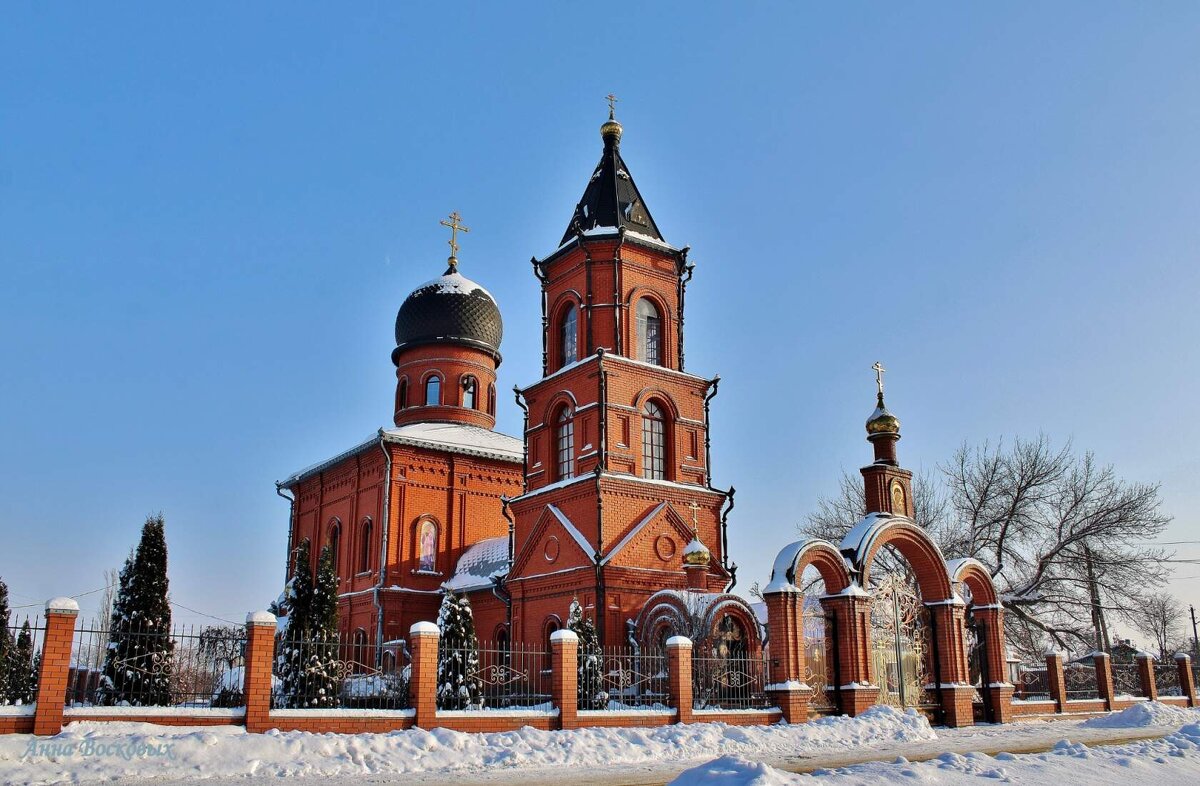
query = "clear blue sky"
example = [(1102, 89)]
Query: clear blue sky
[(209, 216)]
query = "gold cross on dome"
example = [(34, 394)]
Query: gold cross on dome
[(694, 508), (612, 105), (455, 228), (879, 369)]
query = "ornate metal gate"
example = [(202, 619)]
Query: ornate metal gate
[(900, 642)]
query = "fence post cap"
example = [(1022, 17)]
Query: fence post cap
[(260, 618), (564, 635), (1145, 655), (61, 605), (1182, 656), (679, 641), (1056, 654), (424, 629)]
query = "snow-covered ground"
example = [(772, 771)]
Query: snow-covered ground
[(124, 752)]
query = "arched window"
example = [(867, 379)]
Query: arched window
[(564, 440), (492, 400), (433, 391), (389, 662), (654, 442), (427, 546), (360, 651), (335, 542), (552, 625), (364, 546), (649, 327), (568, 335), (402, 394), (503, 647), (469, 386)]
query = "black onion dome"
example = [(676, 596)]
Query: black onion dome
[(450, 309)]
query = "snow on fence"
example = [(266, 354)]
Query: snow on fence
[(22, 651), (320, 673), (623, 678), (138, 665), (494, 675), (1166, 679), (1126, 681), (1080, 680), (729, 683)]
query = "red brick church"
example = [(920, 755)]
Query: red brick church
[(607, 498)]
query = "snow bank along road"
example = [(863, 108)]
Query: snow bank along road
[(128, 752)]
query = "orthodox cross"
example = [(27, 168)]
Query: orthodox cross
[(455, 228), (879, 369), (695, 524), (612, 105)]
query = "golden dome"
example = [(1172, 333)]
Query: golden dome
[(696, 554), (882, 422), (611, 128)]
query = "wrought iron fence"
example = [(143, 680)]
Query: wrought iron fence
[(619, 678), (1035, 683), (1126, 681), (315, 673), (1080, 681), (729, 683), (23, 647), (139, 665), (1166, 679), (816, 667), (493, 676)]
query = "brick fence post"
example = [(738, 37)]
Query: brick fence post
[(679, 676), (851, 612), (422, 683), (1056, 681), (1187, 679), (257, 677), (1104, 679), (564, 677), (1145, 667), (55, 664), (785, 620)]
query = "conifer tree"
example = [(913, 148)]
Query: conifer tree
[(295, 607), (592, 695), (321, 663), (6, 644), (138, 662), (458, 655), (22, 671)]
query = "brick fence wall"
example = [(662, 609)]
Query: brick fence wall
[(48, 715)]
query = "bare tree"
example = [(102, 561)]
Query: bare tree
[(1160, 618), (1038, 517)]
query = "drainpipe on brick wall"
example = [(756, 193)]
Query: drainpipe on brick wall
[(725, 536), (541, 277), (601, 600), (683, 271), (287, 567), (617, 299), (588, 296), (383, 547), (602, 460), (709, 395), (524, 439)]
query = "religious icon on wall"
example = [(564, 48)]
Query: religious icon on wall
[(428, 543)]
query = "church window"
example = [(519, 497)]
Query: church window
[(433, 391), (492, 400), (565, 443), (364, 547), (469, 386), (360, 651), (389, 662), (569, 335), (649, 327), (427, 543), (654, 444), (402, 394), (335, 538), (551, 626)]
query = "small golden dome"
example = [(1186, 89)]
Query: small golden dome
[(882, 422), (611, 128), (697, 554)]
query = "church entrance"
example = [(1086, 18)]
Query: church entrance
[(900, 642)]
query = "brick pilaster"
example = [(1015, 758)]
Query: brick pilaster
[(257, 676), (1104, 679), (679, 676), (956, 691), (785, 622), (1187, 678), (1145, 667), (851, 646), (793, 699), (564, 677), (422, 684), (55, 665), (997, 691), (1056, 680)]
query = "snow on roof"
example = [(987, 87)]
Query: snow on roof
[(479, 563), (452, 283), (459, 438)]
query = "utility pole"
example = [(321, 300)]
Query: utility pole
[(1195, 638)]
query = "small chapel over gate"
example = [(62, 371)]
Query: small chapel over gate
[(607, 498)]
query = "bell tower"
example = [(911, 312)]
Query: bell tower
[(617, 460), (888, 487)]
